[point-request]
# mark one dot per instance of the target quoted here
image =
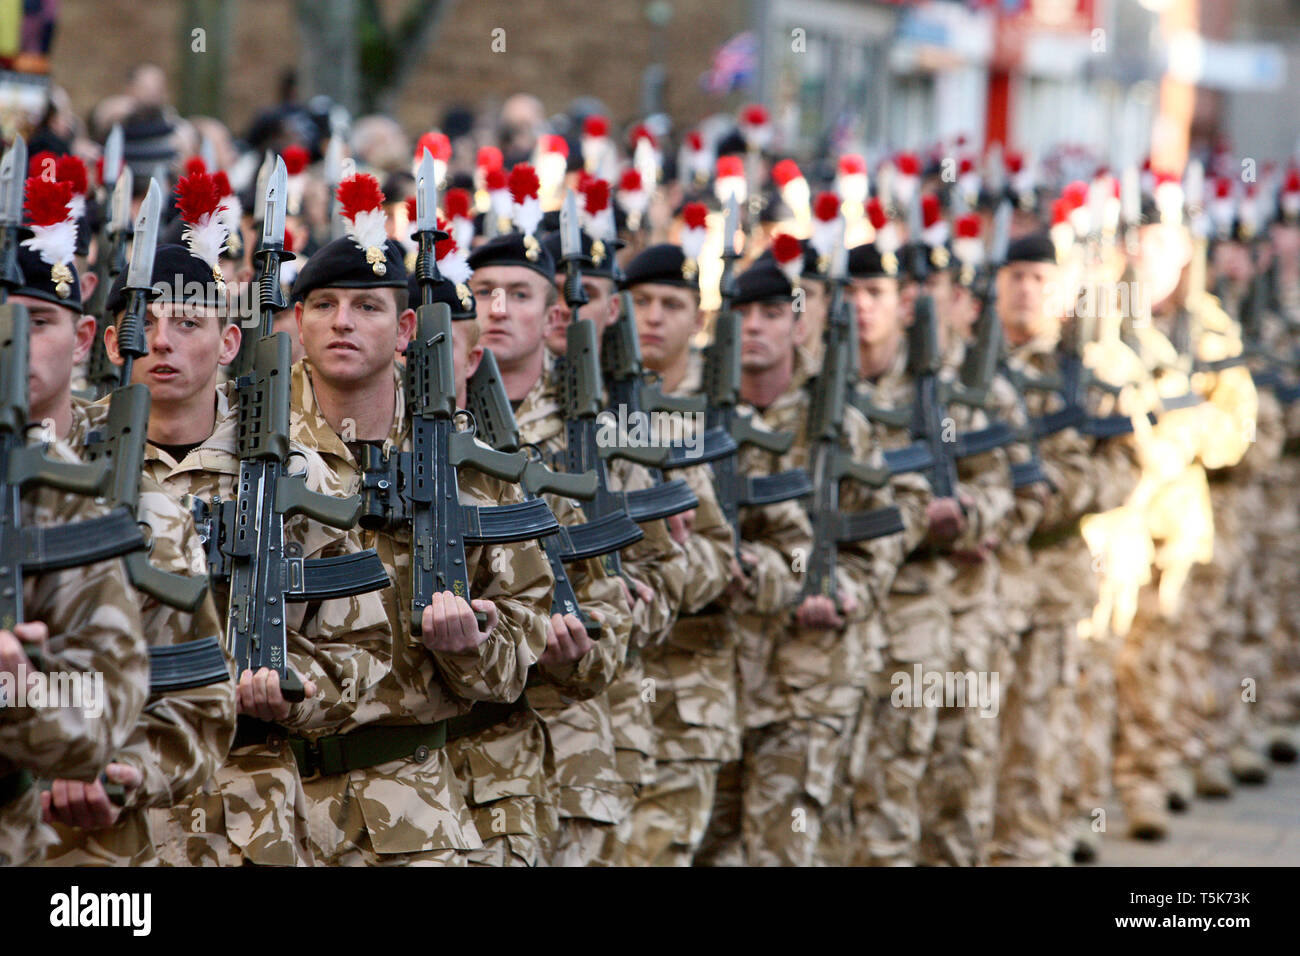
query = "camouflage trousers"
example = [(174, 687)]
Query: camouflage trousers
[(580, 842), (254, 810), (1279, 555), (957, 790), (1090, 728), (502, 771), (129, 842), (1148, 746), (668, 822), (23, 838), (894, 736), (721, 844), (1028, 825)]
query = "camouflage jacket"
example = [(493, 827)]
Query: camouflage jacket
[(409, 808), (343, 645), (658, 562), (820, 673), (95, 632), (183, 736)]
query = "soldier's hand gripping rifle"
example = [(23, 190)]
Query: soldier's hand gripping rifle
[(420, 487), (120, 444), (722, 390), (110, 260), (830, 459), (248, 544), (491, 409), (38, 549), (582, 390)]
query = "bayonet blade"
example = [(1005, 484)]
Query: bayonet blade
[(730, 223), (120, 214), (113, 156), (570, 231), (426, 195), (274, 200), (839, 265), (1001, 234), (334, 161), (140, 273), (1130, 196), (259, 190), (13, 173)]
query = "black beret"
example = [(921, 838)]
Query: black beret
[(178, 276), (774, 209), (514, 249), (38, 280), (458, 297), (342, 264), (1033, 248), (763, 282), (664, 263), (604, 269), (866, 262), (933, 258)]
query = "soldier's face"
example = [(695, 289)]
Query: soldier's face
[(1232, 260), (1163, 251), (876, 302), (58, 340), (351, 335), (512, 312), (602, 308), (666, 318), (768, 332), (186, 346), (1023, 294), (816, 300)]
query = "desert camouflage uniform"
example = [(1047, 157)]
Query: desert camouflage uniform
[(894, 749), (804, 687), (255, 809), (413, 810), (94, 627), (183, 736), (694, 708), (604, 747), (1029, 826)]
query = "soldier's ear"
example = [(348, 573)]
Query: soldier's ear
[(405, 328), (231, 336), (88, 281), (85, 329), (110, 344), (472, 360)]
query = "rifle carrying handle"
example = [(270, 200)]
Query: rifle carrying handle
[(293, 497)]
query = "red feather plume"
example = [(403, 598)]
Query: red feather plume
[(456, 202), (197, 196), (595, 126), (730, 166), (907, 164), (630, 181), (46, 202), (438, 145), (224, 188), (358, 194), (639, 132), (1075, 193), (968, 226), (786, 172), (39, 163), (443, 247), (496, 180), (1014, 162), (826, 207), (786, 248), (489, 158), (694, 140), (295, 159), (195, 164), (755, 114), (71, 169), (288, 240), (597, 196), (552, 143), (876, 213), (410, 210), (695, 215), (931, 213), (523, 182), (851, 164)]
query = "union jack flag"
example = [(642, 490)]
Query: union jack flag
[(734, 65)]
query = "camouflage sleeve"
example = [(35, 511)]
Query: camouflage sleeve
[(517, 579), (601, 598), (96, 646), (656, 561), (1068, 461), (710, 546), (776, 538), (986, 480), (182, 737), (1270, 436)]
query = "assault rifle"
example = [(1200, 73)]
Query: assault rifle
[(419, 488), (246, 536), (582, 388), (722, 389), (33, 549), (830, 459), (110, 260), (120, 443), (490, 406)]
